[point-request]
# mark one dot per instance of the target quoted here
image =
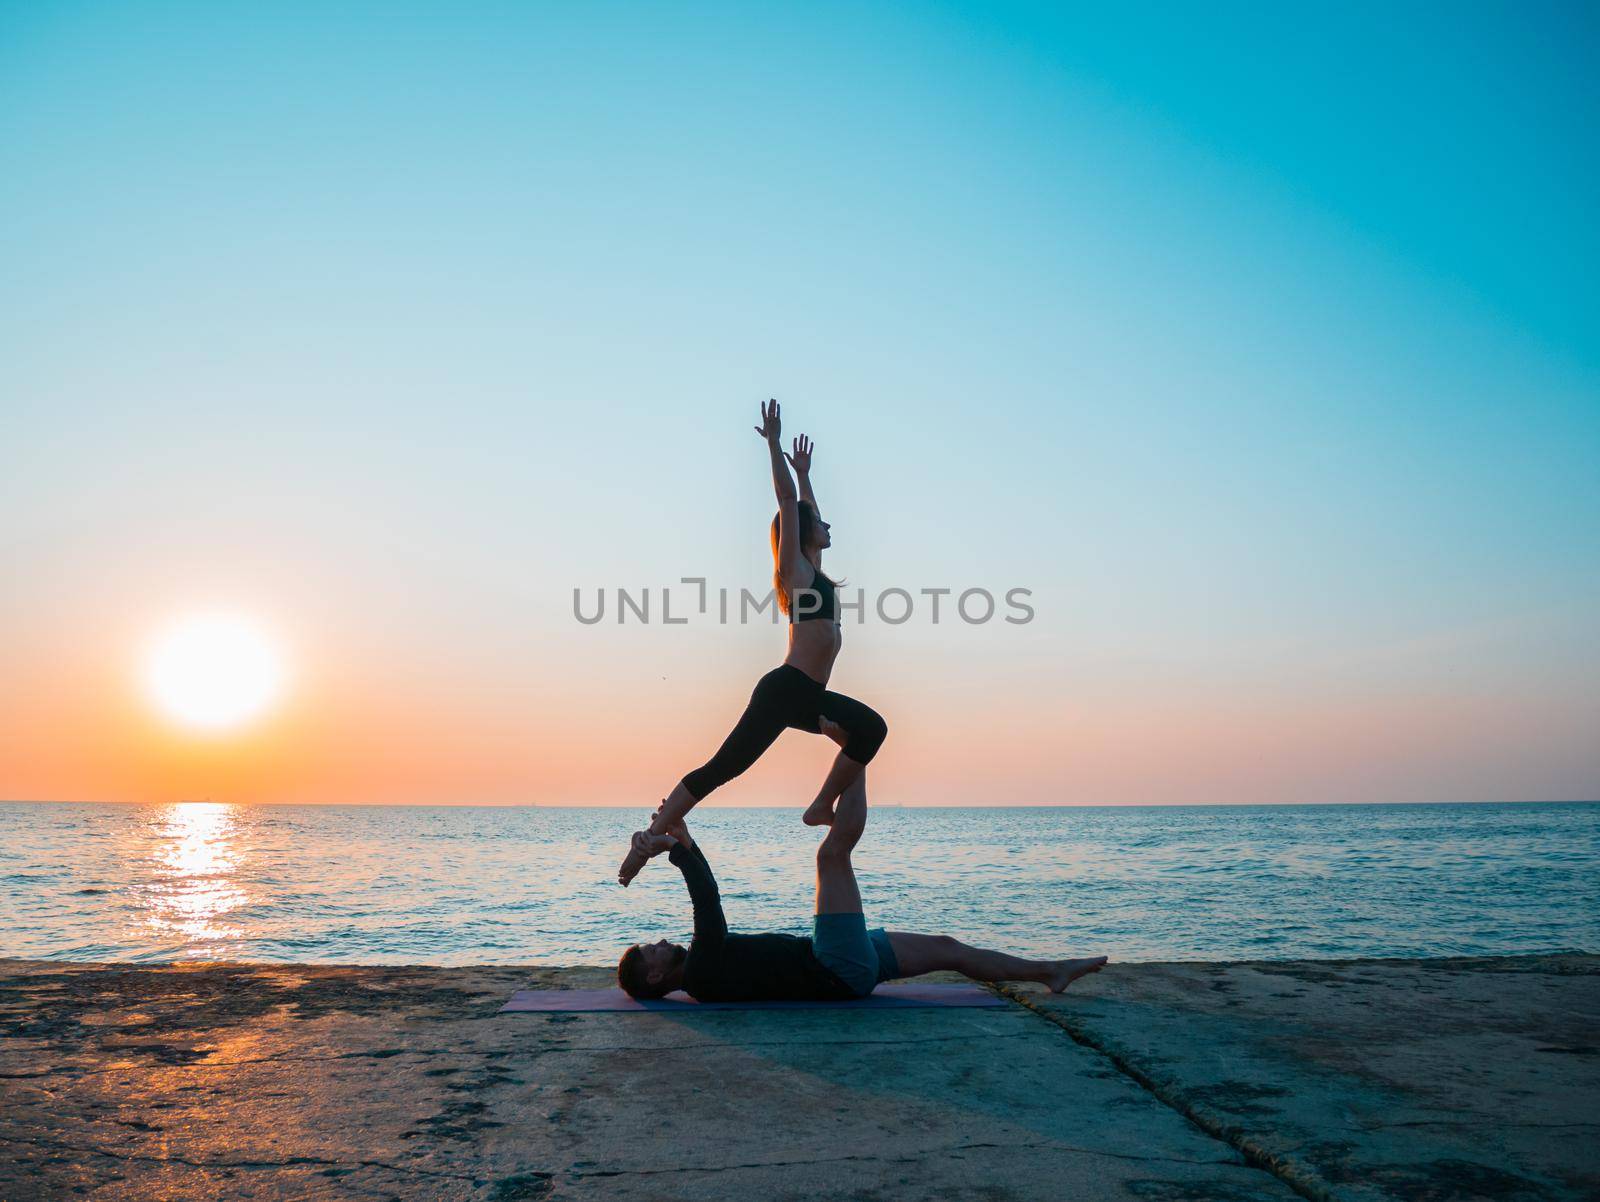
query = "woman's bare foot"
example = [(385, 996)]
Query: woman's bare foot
[(641, 850), (819, 812), (632, 864), (1068, 971), (643, 846)]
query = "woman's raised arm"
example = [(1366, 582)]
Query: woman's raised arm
[(800, 460), (789, 551)]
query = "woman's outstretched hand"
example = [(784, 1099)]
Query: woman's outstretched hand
[(801, 459), (770, 426)]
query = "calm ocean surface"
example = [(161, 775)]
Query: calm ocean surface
[(444, 885)]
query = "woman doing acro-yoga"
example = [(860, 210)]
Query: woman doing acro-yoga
[(794, 694)]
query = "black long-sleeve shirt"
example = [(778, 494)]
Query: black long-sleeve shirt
[(724, 967)]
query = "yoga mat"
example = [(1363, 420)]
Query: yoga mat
[(885, 997)]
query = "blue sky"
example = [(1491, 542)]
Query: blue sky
[(1261, 343)]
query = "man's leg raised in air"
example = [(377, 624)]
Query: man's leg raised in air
[(918, 954), (837, 893), (836, 877)]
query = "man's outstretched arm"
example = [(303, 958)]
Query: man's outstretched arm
[(710, 927)]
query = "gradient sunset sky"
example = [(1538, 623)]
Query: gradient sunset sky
[(1261, 343)]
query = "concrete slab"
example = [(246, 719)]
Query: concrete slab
[(1421, 1079), (245, 1082)]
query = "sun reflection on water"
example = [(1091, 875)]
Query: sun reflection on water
[(195, 887)]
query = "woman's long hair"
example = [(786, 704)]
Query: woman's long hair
[(808, 523)]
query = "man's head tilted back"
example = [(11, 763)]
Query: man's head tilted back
[(649, 970)]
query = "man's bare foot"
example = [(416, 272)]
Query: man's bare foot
[(818, 813), (1068, 971)]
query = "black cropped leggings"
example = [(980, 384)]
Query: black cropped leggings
[(787, 697)]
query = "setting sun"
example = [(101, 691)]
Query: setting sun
[(213, 672)]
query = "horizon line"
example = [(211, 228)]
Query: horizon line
[(1021, 805)]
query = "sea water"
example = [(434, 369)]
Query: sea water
[(486, 885)]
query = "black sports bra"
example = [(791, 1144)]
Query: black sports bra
[(818, 603)]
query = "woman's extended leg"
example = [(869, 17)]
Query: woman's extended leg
[(764, 719), (918, 954), (865, 730)]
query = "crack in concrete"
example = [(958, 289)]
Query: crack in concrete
[(1295, 1176), (1483, 1120)]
